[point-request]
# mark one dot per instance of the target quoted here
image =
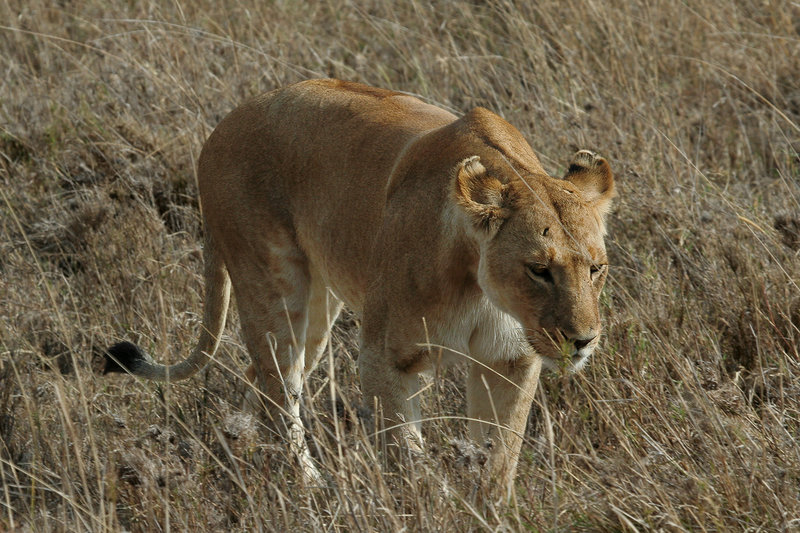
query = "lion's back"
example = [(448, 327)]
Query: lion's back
[(315, 157)]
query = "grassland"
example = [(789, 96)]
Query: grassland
[(687, 419)]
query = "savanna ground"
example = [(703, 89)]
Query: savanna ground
[(686, 419)]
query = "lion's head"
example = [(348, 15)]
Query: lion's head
[(542, 255)]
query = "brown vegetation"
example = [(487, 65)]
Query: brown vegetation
[(687, 419)]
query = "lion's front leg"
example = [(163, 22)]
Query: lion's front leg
[(500, 394), (396, 388)]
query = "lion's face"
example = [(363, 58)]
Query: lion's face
[(547, 272), (543, 259)]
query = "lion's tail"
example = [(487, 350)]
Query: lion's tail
[(127, 357)]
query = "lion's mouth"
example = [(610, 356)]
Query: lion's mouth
[(558, 353), (552, 345)]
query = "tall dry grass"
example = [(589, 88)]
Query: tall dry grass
[(687, 419)]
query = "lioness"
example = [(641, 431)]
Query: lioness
[(436, 230)]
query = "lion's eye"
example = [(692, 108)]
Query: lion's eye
[(596, 270), (540, 272)]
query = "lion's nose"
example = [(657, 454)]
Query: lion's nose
[(582, 343)]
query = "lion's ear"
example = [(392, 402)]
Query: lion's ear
[(481, 196), (592, 175)]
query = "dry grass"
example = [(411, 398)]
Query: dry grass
[(688, 419)]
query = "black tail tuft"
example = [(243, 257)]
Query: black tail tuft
[(124, 357)]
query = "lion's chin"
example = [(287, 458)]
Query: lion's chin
[(578, 361), (571, 363)]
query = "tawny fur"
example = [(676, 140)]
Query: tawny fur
[(433, 228)]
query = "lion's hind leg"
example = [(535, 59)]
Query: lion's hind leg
[(323, 309), (272, 288)]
